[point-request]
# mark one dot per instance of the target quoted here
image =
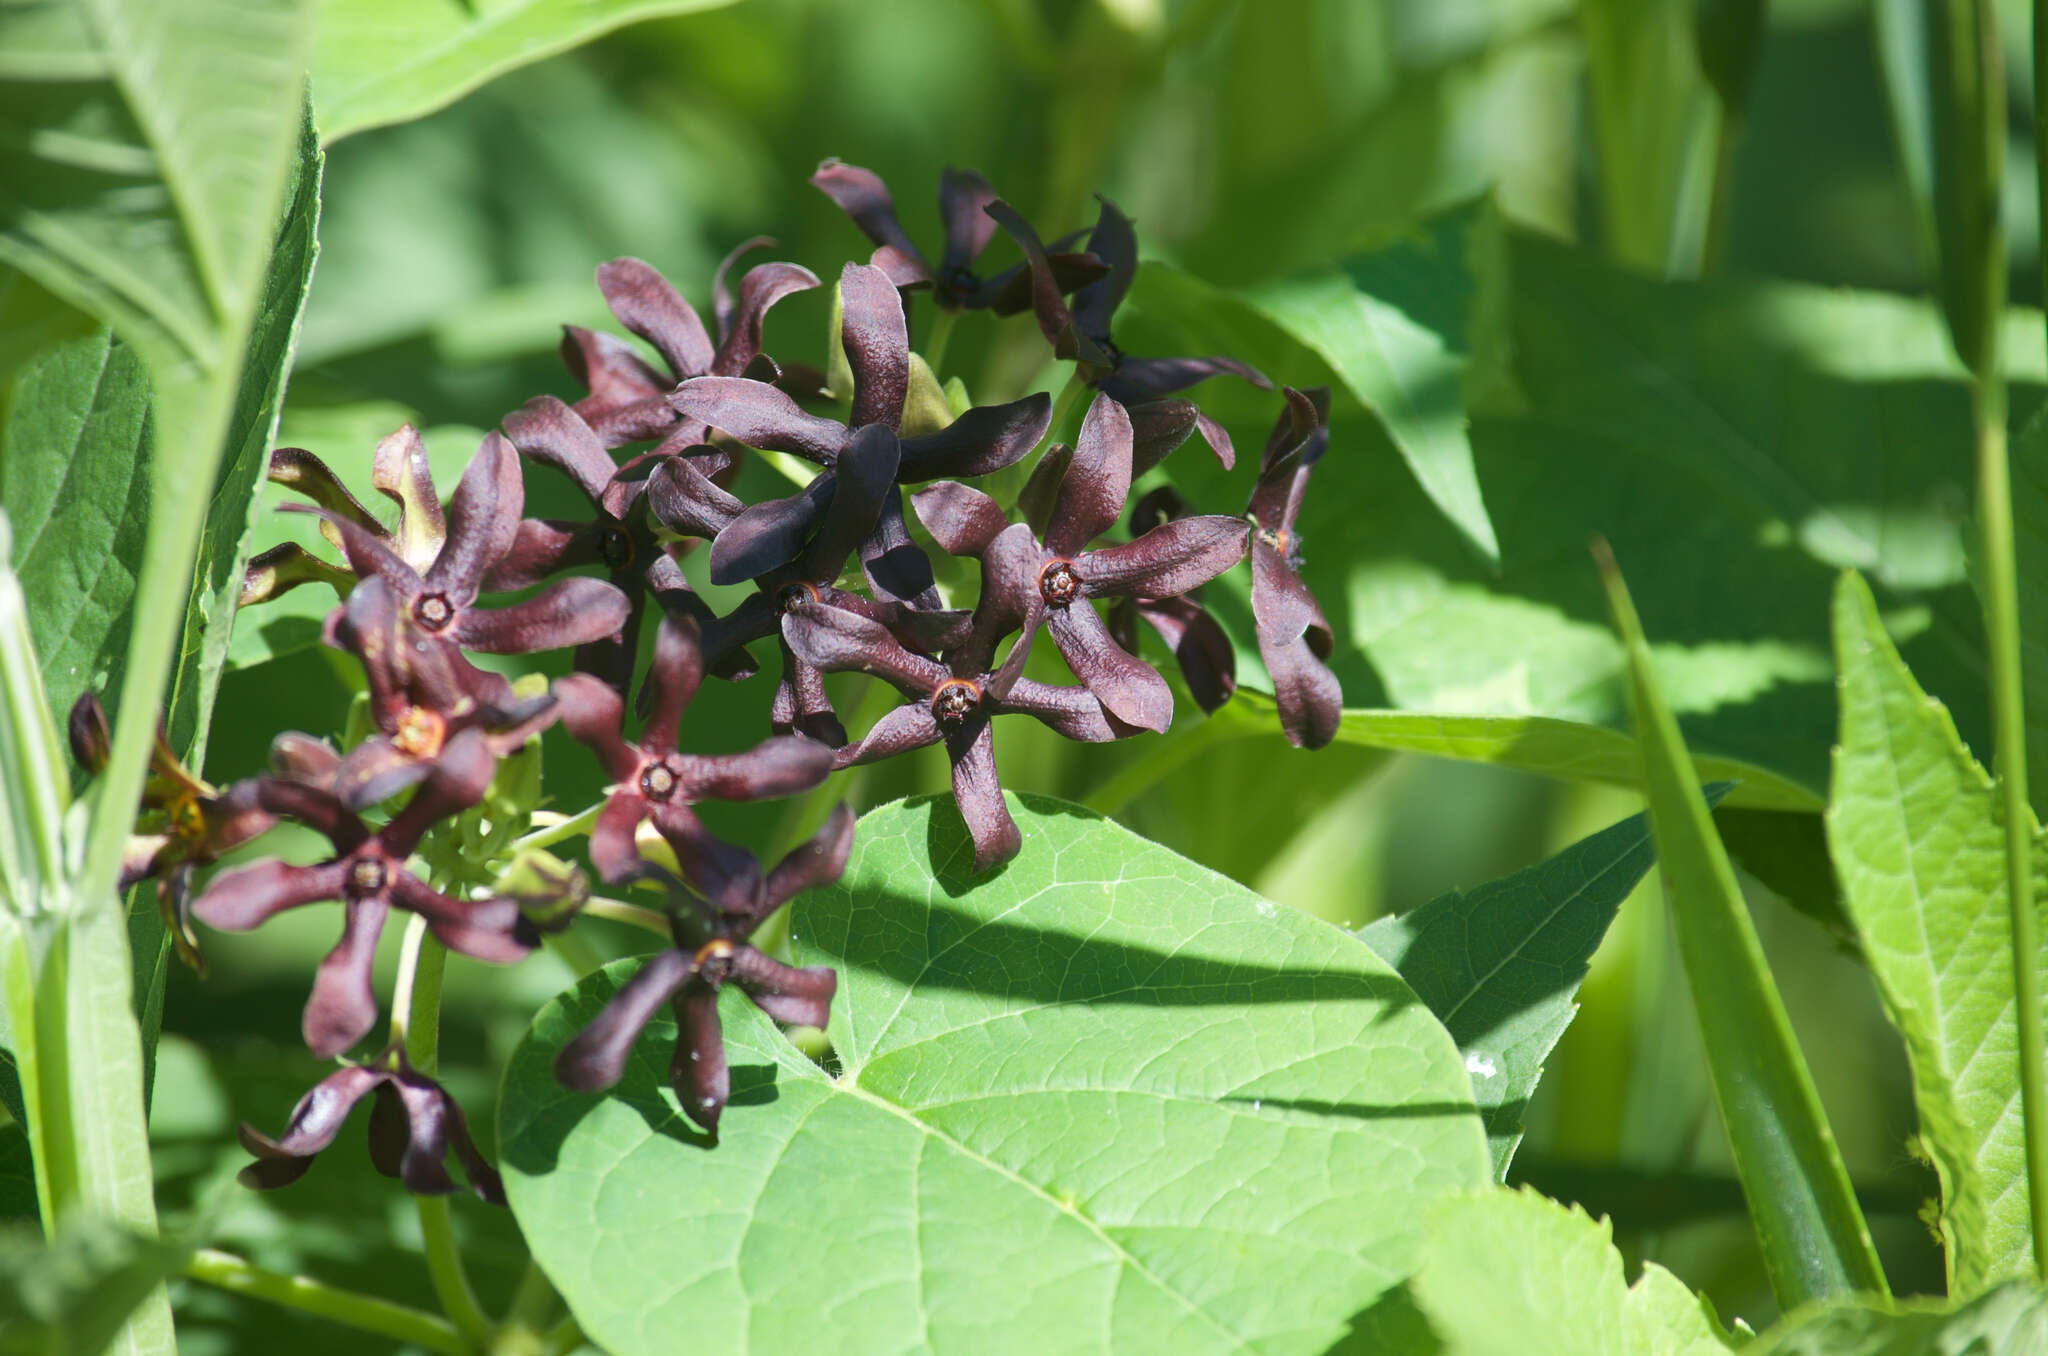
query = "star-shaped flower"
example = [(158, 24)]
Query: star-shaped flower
[(1294, 640)]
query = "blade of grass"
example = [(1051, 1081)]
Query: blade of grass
[(1811, 1232)]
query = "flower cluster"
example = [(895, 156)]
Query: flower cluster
[(841, 582)]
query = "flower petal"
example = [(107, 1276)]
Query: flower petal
[(422, 1111), (1208, 663), (836, 640), (552, 434), (343, 1006), (596, 1058), (302, 758), (764, 285), (1010, 601), (963, 198), (376, 770), (1144, 379), (592, 712), (568, 612), (979, 795), (483, 520), (984, 440), (400, 471), (686, 501), (901, 729), (612, 851), (645, 304), (863, 196), (962, 520), (770, 534), (818, 860), (1092, 494), (1157, 428), (1115, 242), (781, 766), (698, 1072), (861, 486), (896, 568), (482, 929), (1170, 559), (724, 875), (1072, 711), (298, 470), (368, 554), (877, 341), (1292, 636), (759, 415), (801, 997), (248, 896), (609, 368), (541, 549), (1130, 688)]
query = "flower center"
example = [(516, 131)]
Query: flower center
[(657, 781), (954, 702), (433, 611), (420, 732), (1288, 544), (1059, 583), (366, 876), (714, 961), (615, 547), (793, 594)]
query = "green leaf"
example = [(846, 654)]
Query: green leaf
[(1391, 323), (1904, 61), (2030, 549), (1650, 110), (2009, 1321), (1103, 1100), (1808, 1225), (1511, 1273), (386, 61), (1499, 964), (1920, 850), (72, 1295)]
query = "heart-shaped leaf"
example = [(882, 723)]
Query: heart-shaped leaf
[(1102, 1100)]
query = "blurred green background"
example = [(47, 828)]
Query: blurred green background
[(1248, 140)]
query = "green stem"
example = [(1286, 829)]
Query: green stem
[(225, 1271), (534, 1300), (564, 1338), (559, 828), (2009, 739), (941, 335), (632, 915), (445, 1270)]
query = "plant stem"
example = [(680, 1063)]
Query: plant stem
[(632, 915), (445, 1269), (564, 1338), (941, 335), (558, 828), (225, 1271), (2009, 738), (534, 1300)]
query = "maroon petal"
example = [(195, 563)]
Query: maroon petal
[(770, 534), (863, 196), (645, 304), (964, 197), (1048, 304), (300, 471), (801, 706), (1009, 599), (899, 268), (860, 488), (482, 929), (724, 875), (1072, 711), (698, 1071), (569, 612), (483, 520), (319, 1115), (302, 758), (1296, 445), (819, 860), (763, 286), (376, 770), (343, 1006), (1041, 492), (877, 341), (980, 796), (1009, 292), (554, 435), (961, 519), (277, 571), (836, 640), (1208, 663), (799, 997), (918, 628), (91, 739), (541, 549), (591, 713), (896, 568), (721, 294), (609, 368), (612, 851), (1144, 379), (596, 1058), (782, 766), (677, 673), (902, 729), (1115, 243), (419, 1106), (1292, 634), (367, 553), (1093, 492), (685, 500), (458, 781), (759, 415), (984, 440), (317, 807), (1218, 439), (248, 896), (1170, 559), (400, 471), (1157, 428), (1131, 689)]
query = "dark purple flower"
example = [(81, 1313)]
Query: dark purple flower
[(963, 199), (858, 485), (1082, 332), (483, 524), (711, 951), (367, 873), (184, 822), (1208, 663), (618, 536), (1294, 640), (1170, 559), (955, 697), (626, 404), (414, 1124), (398, 470), (652, 781), (770, 534), (422, 694)]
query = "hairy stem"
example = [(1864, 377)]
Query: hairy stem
[(367, 1313)]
